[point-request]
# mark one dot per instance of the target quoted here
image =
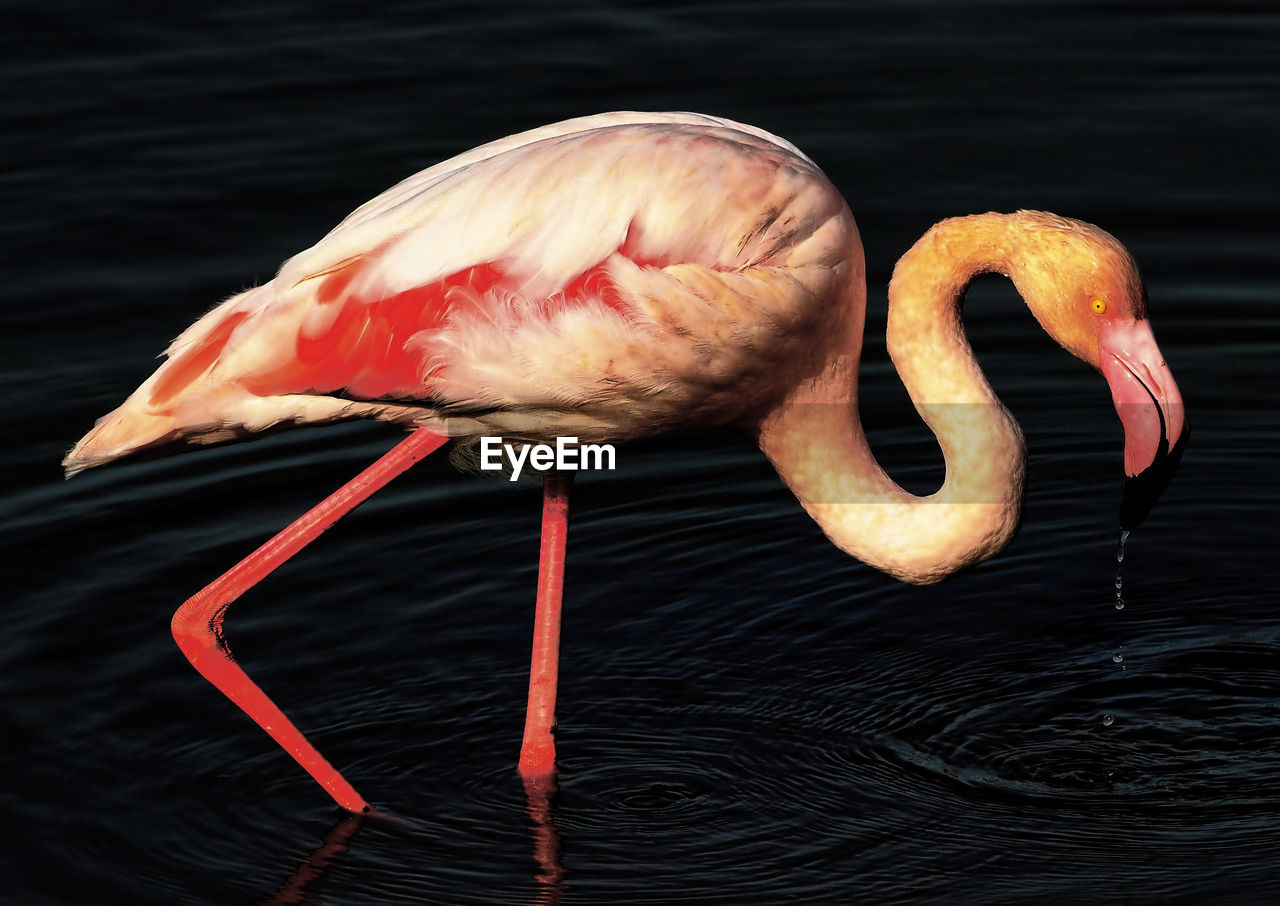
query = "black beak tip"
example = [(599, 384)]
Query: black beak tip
[(1143, 490)]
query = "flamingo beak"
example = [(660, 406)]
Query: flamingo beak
[(1150, 408)]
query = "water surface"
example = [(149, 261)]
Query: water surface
[(747, 715)]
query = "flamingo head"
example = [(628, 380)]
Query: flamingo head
[(1084, 288)]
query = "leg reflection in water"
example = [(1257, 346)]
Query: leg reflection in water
[(541, 793), (298, 888), (301, 887)]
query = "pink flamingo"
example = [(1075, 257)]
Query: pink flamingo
[(622, 275)]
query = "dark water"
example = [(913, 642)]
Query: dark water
[(747, 715)]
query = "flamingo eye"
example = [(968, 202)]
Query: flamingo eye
[(1099, 306)]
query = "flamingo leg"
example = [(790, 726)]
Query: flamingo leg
[(538, 752), (197, 624)]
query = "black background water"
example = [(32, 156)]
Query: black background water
[(747, 715)]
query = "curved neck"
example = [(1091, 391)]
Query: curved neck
[(816, 441)]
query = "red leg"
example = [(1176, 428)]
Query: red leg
[(538, 753), (197, 625)]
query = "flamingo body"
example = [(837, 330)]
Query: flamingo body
[(572, 280)]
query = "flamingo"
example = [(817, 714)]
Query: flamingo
[(622, 275)]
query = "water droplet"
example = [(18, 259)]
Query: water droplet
[(1124, 536), (1108, 720), (1117, 658)]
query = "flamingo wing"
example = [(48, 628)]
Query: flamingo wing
[(602, 274)]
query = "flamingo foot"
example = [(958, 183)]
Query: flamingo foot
[(538, 752), (197, 624)]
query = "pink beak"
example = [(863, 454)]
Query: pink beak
[(1150, 408)]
